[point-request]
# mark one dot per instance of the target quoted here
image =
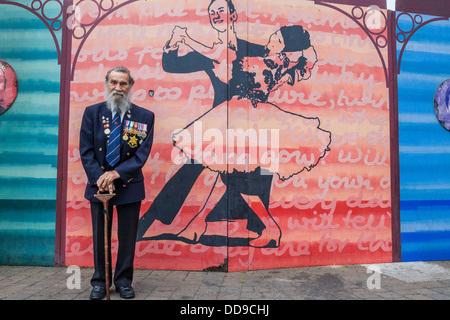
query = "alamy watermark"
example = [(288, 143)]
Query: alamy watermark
[(218, 148), (374, 280), (74, 280), (374, 18)]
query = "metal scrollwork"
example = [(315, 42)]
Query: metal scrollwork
[(85, 15), (50, 12), (403, 35), (373, 21)]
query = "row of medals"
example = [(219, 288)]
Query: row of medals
[(126, 132)]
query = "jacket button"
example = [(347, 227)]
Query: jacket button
[(99, 149), (102, 167), (128, 154), (124, 186)]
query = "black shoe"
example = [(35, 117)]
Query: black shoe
[(126, 292), (98, 293)]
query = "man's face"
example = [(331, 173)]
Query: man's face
[(119, 83), (218, 12)]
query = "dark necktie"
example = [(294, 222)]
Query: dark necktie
[(113, 148)]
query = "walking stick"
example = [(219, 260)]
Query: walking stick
[(105, 197)]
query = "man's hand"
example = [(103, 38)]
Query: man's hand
[(106, 181)]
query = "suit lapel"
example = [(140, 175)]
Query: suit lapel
[(104, 122), (105, 112)]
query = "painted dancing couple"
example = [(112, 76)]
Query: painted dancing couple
[(240, 102)]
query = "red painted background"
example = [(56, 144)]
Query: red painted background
[(339, 212)]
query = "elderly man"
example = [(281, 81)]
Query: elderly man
[(116, 137)]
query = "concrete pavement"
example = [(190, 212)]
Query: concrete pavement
[(390, 281)]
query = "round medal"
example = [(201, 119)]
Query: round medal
[(107, 131), (125, 137)]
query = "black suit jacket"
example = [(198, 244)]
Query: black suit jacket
[(194, 62), (93, 140)]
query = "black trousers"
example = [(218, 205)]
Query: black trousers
[(127, 220)]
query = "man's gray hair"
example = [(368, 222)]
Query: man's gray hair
[(120, 69)]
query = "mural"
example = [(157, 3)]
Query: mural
[(8, 86), (441, 104), (271, 144)]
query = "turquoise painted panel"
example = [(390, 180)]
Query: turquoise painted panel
[(27, 232), (29, 140)]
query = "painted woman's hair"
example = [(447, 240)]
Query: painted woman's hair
[(295, 38)]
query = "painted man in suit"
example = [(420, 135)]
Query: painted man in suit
[(116, 137)]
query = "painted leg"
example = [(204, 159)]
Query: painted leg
[(197, 226), (272, 232)]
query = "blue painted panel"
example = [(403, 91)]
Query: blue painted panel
[(424, 145)]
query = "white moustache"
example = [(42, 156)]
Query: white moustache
[(117, 92)]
